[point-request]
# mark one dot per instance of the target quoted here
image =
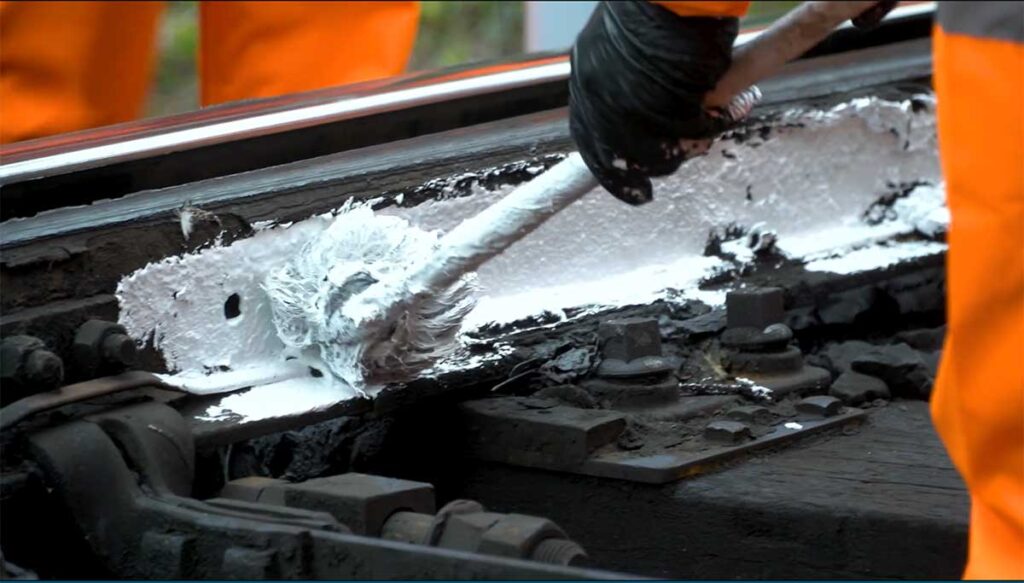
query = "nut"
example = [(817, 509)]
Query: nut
[(44, 369), (645, 366), (787, 360), (517, 535), (102, 347), (27, 367)]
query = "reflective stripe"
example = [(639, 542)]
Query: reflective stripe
[(997, 20)]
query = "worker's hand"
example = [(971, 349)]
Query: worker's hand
[(639, 75)]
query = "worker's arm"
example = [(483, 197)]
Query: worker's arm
[(640, 72)]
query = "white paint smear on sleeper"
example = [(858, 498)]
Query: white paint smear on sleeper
[(809, 182)]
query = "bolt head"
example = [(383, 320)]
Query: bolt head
[(754, 307), (27, 367), (629, 338)]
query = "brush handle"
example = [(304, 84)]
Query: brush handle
[(494, 230), (489, 233), (785, 40)]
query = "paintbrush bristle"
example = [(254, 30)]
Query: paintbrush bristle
[(342, 299)]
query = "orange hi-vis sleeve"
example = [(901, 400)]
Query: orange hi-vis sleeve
[(737, 9), (978, 403)]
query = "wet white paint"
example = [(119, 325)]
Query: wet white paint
[(875, 257), (179, 302), (802, 180), (204, 383), (856, 246), (924, 210), (640, 286), (278, 398), (809, 185), (755, 390)]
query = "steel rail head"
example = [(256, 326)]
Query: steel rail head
[(174, 137)]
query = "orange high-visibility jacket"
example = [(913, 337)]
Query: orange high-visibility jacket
[(67, 66), (978, 402)]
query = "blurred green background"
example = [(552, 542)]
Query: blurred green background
[(450, 33)]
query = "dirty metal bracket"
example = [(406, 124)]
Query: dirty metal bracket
[(541, 434), (125, 478)]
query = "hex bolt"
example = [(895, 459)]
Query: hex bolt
[(754, 307), (631, 348), (27, 367), (628, 339), (727, 432), (466, 525), (102, 347), (819, 406), (118, 350)]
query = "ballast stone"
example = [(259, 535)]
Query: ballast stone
[(901, 367), (854, 388)]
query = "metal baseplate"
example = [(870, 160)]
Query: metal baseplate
[(543, 434), (654, 414), (125, 478)]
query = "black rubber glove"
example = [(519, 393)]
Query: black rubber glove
[(871, 17), (639, 76)]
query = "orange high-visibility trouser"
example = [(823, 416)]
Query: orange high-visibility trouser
[(978, 402), (67, 66)]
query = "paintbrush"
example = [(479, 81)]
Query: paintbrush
[(375, 298)]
